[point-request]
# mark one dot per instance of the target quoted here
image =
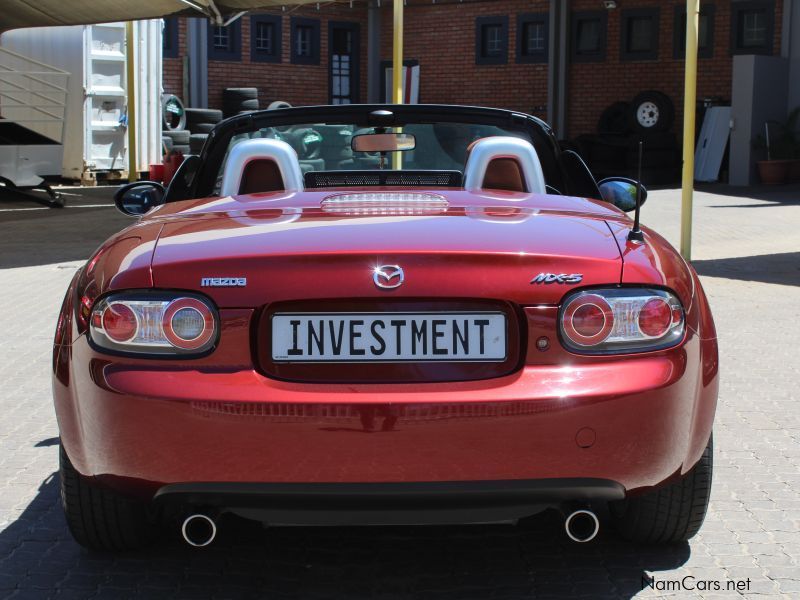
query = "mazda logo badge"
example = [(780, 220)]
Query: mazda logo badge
[(388, 277)]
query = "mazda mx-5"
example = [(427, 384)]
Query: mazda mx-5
[(384, 315)]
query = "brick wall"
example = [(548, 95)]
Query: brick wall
[(296, 84), (442, 38), (594, 86)]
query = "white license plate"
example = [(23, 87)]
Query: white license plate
[(389, 337)]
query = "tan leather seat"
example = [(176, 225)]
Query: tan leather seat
[(261, 165), (501, 173), (504, 174), (261, 175)]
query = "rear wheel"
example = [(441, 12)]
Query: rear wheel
[(101, 519), (672, 513)]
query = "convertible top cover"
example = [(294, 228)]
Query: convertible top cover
[(43, 13)]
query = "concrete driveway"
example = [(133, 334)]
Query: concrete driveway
[(747, 250)]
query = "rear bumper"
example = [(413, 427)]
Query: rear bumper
[(450, 502), (138, 427)]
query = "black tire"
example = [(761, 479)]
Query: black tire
[(166, 141), (178, 137), (652, 111), (239, 94), (173, 115), (615, 119), (196, 142), (251, 104), (202, 115), (672, 513), (184, 149), (100, 519), (203, 127)]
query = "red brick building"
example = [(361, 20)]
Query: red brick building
[(493, 52)]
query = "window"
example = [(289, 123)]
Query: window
[(639, 34), (705, 34), (752, 27), (265, 34), (305, 41), (225, 43), (265, 38), (589, 36), (491, 40), (532, 38), (169, 38), (343, 50), (222, 41)]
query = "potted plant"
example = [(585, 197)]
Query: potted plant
[(782, 146)]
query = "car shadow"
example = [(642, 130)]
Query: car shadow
[(775, 195), (38, 558), (781, 269)]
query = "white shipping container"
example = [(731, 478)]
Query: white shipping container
[(95, 136)]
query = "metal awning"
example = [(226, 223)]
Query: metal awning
[(42, 13)]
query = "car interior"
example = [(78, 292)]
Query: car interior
[(492, 163), (324, 154)]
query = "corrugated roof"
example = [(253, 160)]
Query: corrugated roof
[(40, 13)]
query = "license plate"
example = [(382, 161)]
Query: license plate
[(389, 337)]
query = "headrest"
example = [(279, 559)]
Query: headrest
[(261, 163), (503, 163)]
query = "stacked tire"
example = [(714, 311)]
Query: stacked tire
[(238, 100), (176, 140), (614, 149), (200, 122)]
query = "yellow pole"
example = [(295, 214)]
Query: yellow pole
[(689, 117), (397, 69), (397, 54), (131, 91)]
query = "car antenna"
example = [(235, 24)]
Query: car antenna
[(635, 234)]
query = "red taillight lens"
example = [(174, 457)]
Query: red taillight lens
[(655, 317), (119, 322), (587, 320), (621, 320), (188, 323), (155, 323)]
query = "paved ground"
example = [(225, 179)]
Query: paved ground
[(746, 248)]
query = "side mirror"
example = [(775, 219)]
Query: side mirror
[(621, 192), (135, 199)]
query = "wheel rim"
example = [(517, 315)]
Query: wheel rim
[(647, 114)]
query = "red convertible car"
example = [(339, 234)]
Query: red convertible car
[(384, 315)]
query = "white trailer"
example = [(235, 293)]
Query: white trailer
[(95, 139)]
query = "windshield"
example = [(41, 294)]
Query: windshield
[(328, 147)]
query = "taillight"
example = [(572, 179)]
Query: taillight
[(154, 323), (188, 323), (621, 320), (119, 322)]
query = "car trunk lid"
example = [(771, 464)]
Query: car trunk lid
[(309, 254)]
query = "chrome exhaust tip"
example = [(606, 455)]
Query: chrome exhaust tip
[(582, 526), (199, 530)]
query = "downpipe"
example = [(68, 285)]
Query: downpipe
[(199, 530), (582, 525)]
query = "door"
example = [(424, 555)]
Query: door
[(343, 43)]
